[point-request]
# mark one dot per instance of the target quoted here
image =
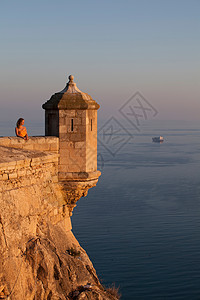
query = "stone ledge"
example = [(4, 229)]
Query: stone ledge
[(78, 176), (40, 143)]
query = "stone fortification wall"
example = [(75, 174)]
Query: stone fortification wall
[(31, 199), (40, 143), (29, 189), (39, 255)]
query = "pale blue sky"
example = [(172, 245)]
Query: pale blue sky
[(113, 49)]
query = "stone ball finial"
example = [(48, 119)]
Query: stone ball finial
[(71, 78)]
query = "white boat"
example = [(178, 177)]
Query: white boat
[(158, 139)]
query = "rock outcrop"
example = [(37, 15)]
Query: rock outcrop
[(39, 256)]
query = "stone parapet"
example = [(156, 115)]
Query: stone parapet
[(16, 164), (40, 143), (30, 190)]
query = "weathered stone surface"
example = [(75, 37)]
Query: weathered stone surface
[(71, 98), (36, 143), (39, 256), (50, 265), (40, 182), (71, 115)]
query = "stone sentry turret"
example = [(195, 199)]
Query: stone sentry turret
[(71, 115)]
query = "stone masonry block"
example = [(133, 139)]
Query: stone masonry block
[(82, 130), (77, 121), (80, 144), (5, 141), (62, 121), (41, 147), (12, 175), (64, 160), (4, 177), (76, 137), (21, 172), (64, 153), (87, 121), (66, 145), (63, 129), (64, 136), (70, 113), (63, 168), (9, 168), (54, 147), (19, 141), (41, 140), (20, 164)]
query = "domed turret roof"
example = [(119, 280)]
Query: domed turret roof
[(71, 98)]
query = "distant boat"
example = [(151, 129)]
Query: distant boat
[(158, 139)]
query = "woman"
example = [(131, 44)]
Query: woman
[(20, 130)]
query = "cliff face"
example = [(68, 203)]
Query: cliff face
[(39, 256)]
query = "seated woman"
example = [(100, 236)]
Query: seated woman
[(20, 130)]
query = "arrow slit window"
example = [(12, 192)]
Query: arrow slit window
[(72, 124)]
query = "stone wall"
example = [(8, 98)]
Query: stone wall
[(29, 188), (72, 133), (91, 138), (78, 142), (30, 198), (40, 143), (39, 255)]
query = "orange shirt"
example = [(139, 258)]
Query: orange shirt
[(21, 131)]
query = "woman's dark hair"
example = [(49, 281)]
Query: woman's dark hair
[(19, 122)]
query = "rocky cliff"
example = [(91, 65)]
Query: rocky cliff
[(39, 256)]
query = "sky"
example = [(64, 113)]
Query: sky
[(113, 48)]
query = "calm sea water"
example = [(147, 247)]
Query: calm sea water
[(141, 224)]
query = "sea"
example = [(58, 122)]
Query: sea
[(140, 225)]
